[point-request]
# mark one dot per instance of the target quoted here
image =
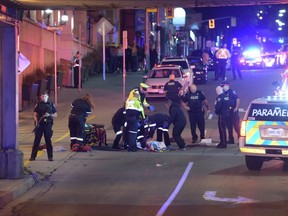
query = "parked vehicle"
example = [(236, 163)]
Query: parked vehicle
[(183, 62), (159, 76), (200, 70)]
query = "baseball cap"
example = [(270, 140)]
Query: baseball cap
[(144, 85), (225, 83)]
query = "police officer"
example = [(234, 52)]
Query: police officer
[(134, 111), (118, 121), (76, 65), (81, 108), (193, 102), (177, 118), (235, 57), (222, 55), (172, 89), (44, 112), (159, 122), (221, 109), (233, 118)]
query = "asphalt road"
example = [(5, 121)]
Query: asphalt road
[(201, 181)]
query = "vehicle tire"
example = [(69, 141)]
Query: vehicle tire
[(253, 162)]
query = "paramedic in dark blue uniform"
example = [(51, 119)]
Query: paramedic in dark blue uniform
[(159, 122), (233, 120), (81, 108), (221, 109), (118, 121), (172, 89), (177, 118), (44, 112), (194, 102)]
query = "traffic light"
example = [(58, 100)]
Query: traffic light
[(211, 23), (170, 13)]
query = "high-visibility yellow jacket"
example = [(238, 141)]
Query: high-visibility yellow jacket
[(142, 97), (133, 107)]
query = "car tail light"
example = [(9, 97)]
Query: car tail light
[(243, 129)]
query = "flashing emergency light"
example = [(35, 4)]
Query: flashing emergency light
[(252, 52)]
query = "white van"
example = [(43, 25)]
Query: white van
[(264, 132)]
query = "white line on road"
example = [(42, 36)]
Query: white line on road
[(176, 191), (211, 196)]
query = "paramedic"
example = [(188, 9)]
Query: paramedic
[(233, 117), (193, 102), (142, 96), (134, 111), (44, 112), (118, 121), (81, 108), (159, 122), (221, 109)]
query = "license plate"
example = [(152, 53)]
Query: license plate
[(275, 132)]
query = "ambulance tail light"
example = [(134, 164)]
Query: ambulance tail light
[(243, 129)]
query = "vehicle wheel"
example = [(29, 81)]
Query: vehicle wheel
[(253, 162)]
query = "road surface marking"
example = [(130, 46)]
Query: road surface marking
[(211, 196), (176, 191)]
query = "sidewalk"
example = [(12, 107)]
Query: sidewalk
[(108, 96)]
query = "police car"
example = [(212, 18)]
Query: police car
[(264, 131)]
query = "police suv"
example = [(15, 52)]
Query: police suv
[(264, 131)]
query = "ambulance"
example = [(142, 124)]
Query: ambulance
[(264, 131)]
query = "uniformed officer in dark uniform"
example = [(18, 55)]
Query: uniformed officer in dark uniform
[(177, 118), (44, 112), (172, 89), (221, 109), (235, 66), (76, 66), (233, 120), (159, 122), (81, 108), (194, 102), (118, 121)]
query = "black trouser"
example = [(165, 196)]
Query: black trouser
[(221, 69), (77, 129), (235, 67), (222, 119), (161, 131), (76, 77), (176, 134), (132, 128), (46, 129), (197, 120), (233, 122), (118, 132)]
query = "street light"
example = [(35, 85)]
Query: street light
[(64, 19)]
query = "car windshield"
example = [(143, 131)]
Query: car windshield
[(183, 64), (164, 73)]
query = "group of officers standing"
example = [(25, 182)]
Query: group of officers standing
[(131, 124)]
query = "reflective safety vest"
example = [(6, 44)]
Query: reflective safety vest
[(222, 54), (134, 104)]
